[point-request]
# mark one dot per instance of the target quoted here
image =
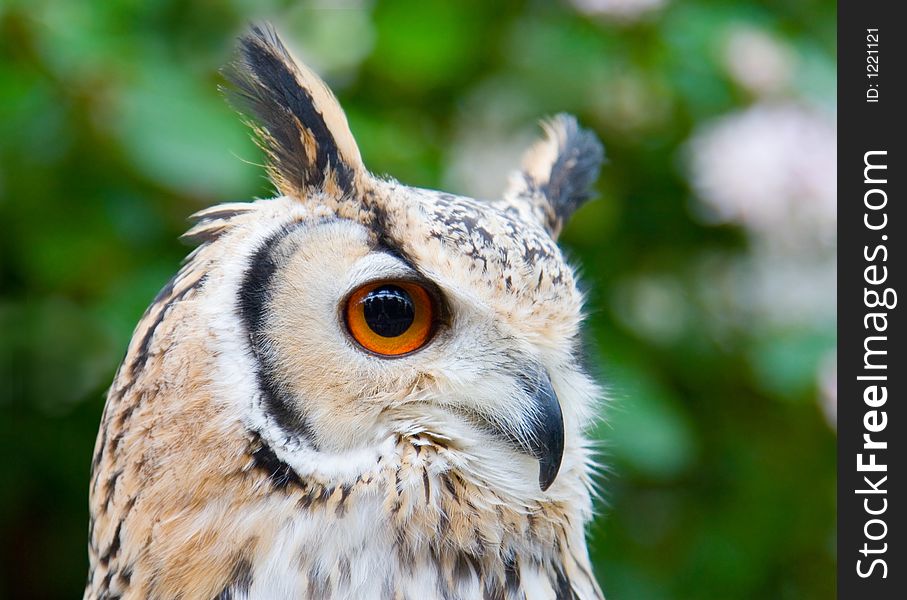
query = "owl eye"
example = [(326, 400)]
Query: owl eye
[(390, 318)]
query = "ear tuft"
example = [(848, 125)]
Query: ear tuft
[(299, 123), (558, 171)]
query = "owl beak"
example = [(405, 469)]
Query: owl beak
[(539, 432), (547, 434)]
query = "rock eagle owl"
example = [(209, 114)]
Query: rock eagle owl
[(357, 389)]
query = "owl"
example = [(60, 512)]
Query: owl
[(357, 389)]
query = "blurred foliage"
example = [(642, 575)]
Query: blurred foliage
[(721, 476)]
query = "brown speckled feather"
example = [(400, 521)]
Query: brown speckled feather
[(250, 449)]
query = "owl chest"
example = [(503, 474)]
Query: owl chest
[(318, 556), (364, 555)]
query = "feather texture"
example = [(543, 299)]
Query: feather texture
[(250, 449)]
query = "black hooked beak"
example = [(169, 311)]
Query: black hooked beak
[(547, 432)]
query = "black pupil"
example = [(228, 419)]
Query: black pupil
[(388, 311)]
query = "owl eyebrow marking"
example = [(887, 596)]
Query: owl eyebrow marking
[(395, 251), (383, 240), (254, 294)]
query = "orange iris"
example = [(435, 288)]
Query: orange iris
[(390, 318)]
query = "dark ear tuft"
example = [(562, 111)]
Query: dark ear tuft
[(558, 172), (299, 122)]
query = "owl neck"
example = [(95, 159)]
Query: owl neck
[(423, 515), (421, 479)]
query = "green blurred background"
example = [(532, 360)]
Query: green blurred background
[(708, 259)]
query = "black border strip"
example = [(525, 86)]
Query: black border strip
[(871, 61)]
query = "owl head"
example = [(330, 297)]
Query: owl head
[(354, 311)]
